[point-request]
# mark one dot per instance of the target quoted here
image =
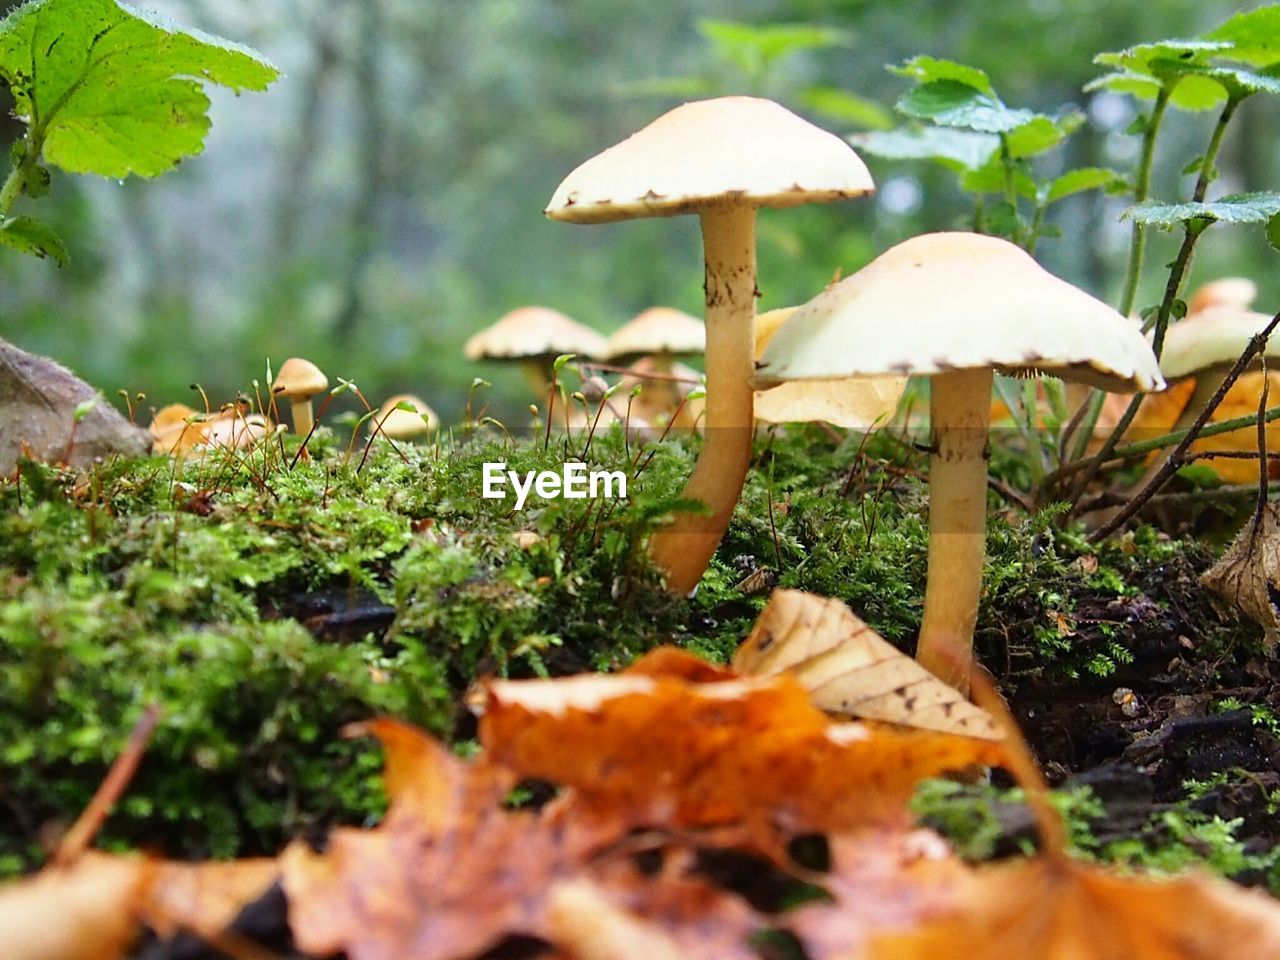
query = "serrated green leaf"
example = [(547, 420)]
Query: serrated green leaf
[(1037, 135), (957, 150), (1140, 57), (752, 46), (1195, 94), (1080, 180), (1254, 36), (1233, 81), (848, 108), (30, 236), (1127, 82), (951, 103), (925, 69), (1236, 208), (990, 179), (1273, 232), (110, 90), (1003, 220)]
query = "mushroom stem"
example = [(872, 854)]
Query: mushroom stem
[(537, 374), (683, 550), (302, 420), (959, 415)]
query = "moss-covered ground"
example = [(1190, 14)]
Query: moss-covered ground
[(264, 603)]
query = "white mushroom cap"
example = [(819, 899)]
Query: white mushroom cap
[(400, 424), (1213, 337), (658, 330), (856, 403), (949, 301), (299, 379), (529, 332), (728, 150)]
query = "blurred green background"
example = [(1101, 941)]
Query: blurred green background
[(383, 201)]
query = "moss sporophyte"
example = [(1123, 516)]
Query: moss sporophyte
[(573, 482)]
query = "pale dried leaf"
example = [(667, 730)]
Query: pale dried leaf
[(850, 669), (1247, 578)]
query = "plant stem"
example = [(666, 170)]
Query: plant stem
[(1177, 274), (1167, 469), (1137, 253)]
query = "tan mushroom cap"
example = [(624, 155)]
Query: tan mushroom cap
[(299, 379), (529, 332), (1213, 337), (658, 330), (731, 149), (401, 424), (856, 403), (951, 301), (1239, 292)]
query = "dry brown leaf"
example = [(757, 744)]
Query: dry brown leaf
[(203, 897), (1247, 578), (84, 911), (1051, 908), (448, 873), (751, 753), (879, 882), (850, 669)]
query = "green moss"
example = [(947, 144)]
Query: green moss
[(214, 588)]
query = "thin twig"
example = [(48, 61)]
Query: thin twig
[(1176, 458)]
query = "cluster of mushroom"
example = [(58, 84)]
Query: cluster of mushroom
[(179, 430), (954, 307), (647, 348)]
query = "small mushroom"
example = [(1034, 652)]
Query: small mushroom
[(957, 307), (1199, 350), (534, 336), (722, 159), (1238, 292), (661, 334), (397, 423), (298, 381), (855, 403)]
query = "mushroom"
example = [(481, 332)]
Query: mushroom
[(722, 159), (956, 307), (397, 423), (662, 334), (665, 393), (535, 336), (298, 381), (856, 403), (1200, 349), (1238, 292)]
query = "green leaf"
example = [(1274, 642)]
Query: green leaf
[(1232, 81), (110, 90), (990, 179), (30, 236), (1236, 208), (924, 70), (1126, 81), (1141, 57), (1254, 37), (845, 107), (1080, 180), (957, 150), (951, 103), (753, 46), (1037, 135), (1273, 232)]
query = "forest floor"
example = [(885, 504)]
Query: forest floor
[(263, 604)]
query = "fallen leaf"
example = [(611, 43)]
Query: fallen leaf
[(752, 753), (1247, 578), (1053, 908), (84, 911), (850, 669)]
